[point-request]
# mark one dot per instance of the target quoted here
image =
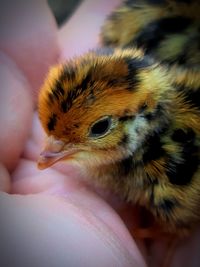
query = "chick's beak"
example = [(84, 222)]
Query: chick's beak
[(54, 151)]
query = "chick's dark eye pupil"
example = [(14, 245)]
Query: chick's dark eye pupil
[(100, 127)]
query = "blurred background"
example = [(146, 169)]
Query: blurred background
[(63, 9)]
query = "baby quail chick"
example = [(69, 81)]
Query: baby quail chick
[(134, 126)]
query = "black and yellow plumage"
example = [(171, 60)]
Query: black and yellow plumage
[(168, 30), (130, 113)]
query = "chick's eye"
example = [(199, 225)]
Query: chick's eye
[(101, 127)]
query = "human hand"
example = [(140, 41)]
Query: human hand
[(53, 217)]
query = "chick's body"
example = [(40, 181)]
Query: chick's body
[(133, 124)]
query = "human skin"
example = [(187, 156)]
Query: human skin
[(55, 217)]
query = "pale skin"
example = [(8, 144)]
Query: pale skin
[(53, 217)]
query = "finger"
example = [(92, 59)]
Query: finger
[(15, 112), (81, 32), (29, 36), (45, 231)]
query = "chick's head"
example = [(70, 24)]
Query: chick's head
[(91, 108)]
